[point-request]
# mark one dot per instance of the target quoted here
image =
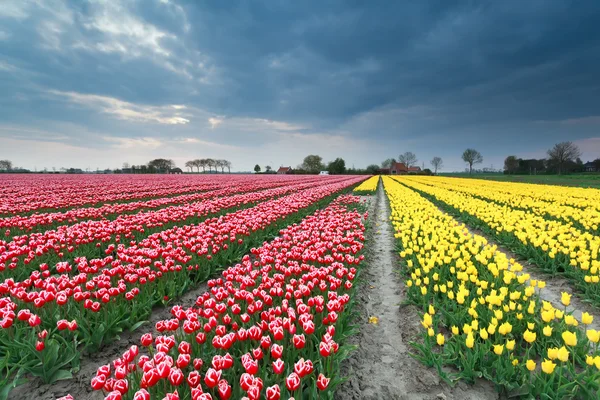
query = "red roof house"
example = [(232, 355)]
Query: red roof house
[(284, 170)]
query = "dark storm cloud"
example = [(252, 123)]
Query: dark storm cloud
[(445, 73)]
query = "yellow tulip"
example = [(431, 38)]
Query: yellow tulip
[(470, 340), (510, 345), (586, 318), (589, 360), (530, 365), (455, 330), (547, 330), (565, 298), (563, 354), (547, 315), (529, 336), (440, 339), (593, 335), (541, 284), (569, 338), (431, 309), (427, 321), (430, 332), (505, 328), (483, 333), (553, 353), (548, 366), (498, 349), (570, 320)]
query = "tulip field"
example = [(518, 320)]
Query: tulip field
[(260, 281), (84, 260), (482, 313)]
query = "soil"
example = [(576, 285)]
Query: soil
[(381, 367), (79, 386)]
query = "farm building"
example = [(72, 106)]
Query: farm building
[(284, 170)]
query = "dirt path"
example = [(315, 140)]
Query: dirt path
[(79, 387), (382, 368)]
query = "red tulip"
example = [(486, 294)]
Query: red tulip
[(98, 382), (114, 395), (141, 394), (278, 366), (62, 324), (224, 390), (299, 341), (39, 346), (176, 377), (292, 382), (146, 339), (273, 392), (212, 378), (322, 382)]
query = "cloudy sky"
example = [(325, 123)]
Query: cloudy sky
[(98, 83)]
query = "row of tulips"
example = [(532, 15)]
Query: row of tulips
[(582, 213), (367, 187), (482, 314), (552, 245), (92, 238), (23, 194), (271, 327), (19, 224), (118, 291)]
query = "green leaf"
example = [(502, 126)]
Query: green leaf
[(61, 375), (137, 325)]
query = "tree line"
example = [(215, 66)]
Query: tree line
[(208, 163), (562, 158), (469, 156)]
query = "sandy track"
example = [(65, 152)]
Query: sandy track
[(382, 368)]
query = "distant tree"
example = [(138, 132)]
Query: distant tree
[(268, 169), (409, 159), (511, 164), (228, 165), (472, 156), (313, 163), (257, 168), (388, 163), (222, 165), (6, 165), (373, 169), (210, 163), (126, 165), (201, 162), (337, 166), (437, 164), (563, 153), (190, 164), (161, 164), (426, 171), (596, 163)]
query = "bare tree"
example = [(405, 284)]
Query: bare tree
[(228, 165), (190, 165), (472, 156), (6, 165), (201, 163), (211, 163), (436, 163), (562, 153), (409, 159)]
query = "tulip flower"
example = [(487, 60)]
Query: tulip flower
[(569, 338), (292, 382), (548, 366)]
